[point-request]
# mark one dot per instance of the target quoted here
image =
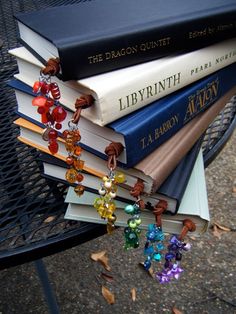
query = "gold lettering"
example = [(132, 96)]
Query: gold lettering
[(95, 59), (149, 91), (157, 132), (202, 98)]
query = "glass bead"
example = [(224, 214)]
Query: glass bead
[(160, 246), (69, 160), (65, 133), (59, 114), (80, 177), (36, 86), (76, 136), (112, 194), (149, 250), (138, 221), (49, 102), (157, 257), (41, 110), (79, 190), (39, 101), (119, 177), (108, 184), (132, 224), (112, 218), (78, 151), (147, 265), (69, 147), (79, 164), (53, 147), (178, 256), (58, 126), (102, 191), (129, 209), (71, 175), (52, 134), (44, 88), (98, 202)]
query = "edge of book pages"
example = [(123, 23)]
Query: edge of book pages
[(194, 205)]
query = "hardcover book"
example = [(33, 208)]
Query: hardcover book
[(171, 190), (194, 205), (153, 169), (144, 130), (124, 91), (98, 36)]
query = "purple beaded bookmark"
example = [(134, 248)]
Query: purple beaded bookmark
[(176, 247)]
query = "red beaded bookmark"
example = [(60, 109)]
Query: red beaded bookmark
[(52, 116), (47, 101)]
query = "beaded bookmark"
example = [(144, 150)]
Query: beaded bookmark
[(48, 96), (155, 237), (176, 247), (132, 231), (105, 204), (72, 144)]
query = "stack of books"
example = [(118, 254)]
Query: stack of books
[(158, 77)]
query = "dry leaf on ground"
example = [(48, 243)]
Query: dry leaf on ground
[(216, 232), (221, 227), (176, 311), (107, 277), (49, 219), (133, 294), (102, 258), (108, 295)]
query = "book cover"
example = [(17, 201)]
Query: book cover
[(98, 36), (119, 93), (194, 205), (153, 169), (171, 190), (144, 130)]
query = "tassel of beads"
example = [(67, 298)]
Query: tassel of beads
[(172, 268)]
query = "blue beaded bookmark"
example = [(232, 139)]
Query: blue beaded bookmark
[(155, 237)]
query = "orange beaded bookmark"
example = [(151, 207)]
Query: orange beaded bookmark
[(72, 143)]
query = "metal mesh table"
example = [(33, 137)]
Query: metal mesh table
[(32, 209)]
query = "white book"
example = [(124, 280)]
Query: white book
[(118, 93), (194, 205)]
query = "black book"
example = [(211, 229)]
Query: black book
[(103, 35)]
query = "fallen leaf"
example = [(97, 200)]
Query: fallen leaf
[(107, 277), (102, 258), (150, 270), (222, 227), (49, 219), (176, 311), (192, 238), (216, 232), (133, 294), (234, 189), (108, 295)]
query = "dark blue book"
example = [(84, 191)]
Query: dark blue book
[(144, 130), (99, 36), (172, 189)]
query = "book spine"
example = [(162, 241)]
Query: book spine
[(175, 111), (152, 42), (160, 79)]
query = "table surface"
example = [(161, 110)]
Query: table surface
[(32, 223)]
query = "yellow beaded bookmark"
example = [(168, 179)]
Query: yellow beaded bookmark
[(105, 204)]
